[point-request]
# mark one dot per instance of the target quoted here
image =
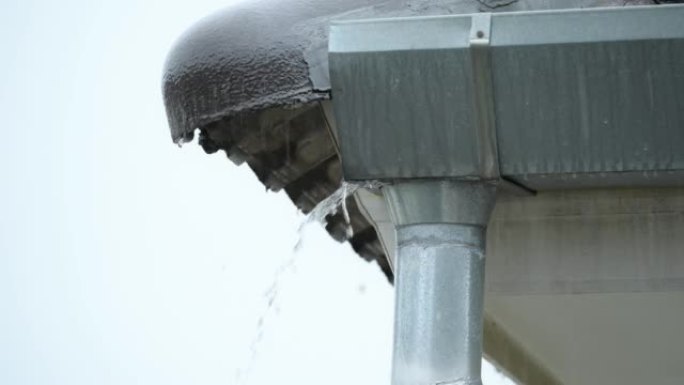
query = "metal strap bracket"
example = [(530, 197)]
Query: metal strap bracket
[(480, 33)]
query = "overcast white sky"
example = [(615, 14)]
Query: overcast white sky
[(125, 260)]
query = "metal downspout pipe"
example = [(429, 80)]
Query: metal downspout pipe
[(439, 280)]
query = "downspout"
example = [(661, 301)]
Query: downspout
[(439, 280)]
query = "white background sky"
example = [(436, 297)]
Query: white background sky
[(124, 260)]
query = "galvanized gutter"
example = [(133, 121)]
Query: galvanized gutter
[(573, 98)]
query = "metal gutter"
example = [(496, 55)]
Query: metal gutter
[(588, 97)]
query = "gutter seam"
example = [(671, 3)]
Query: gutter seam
[(481, 67)]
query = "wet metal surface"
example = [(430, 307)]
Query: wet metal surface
[(589, 98), (440, 229), (439, 297), (606, 97)]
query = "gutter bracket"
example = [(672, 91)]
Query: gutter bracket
[(485, 116)]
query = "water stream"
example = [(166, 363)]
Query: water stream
[(329, 206)]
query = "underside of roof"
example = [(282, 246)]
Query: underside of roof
[(291, 149)]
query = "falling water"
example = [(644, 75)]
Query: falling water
[(271, 297), (328, 206)]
